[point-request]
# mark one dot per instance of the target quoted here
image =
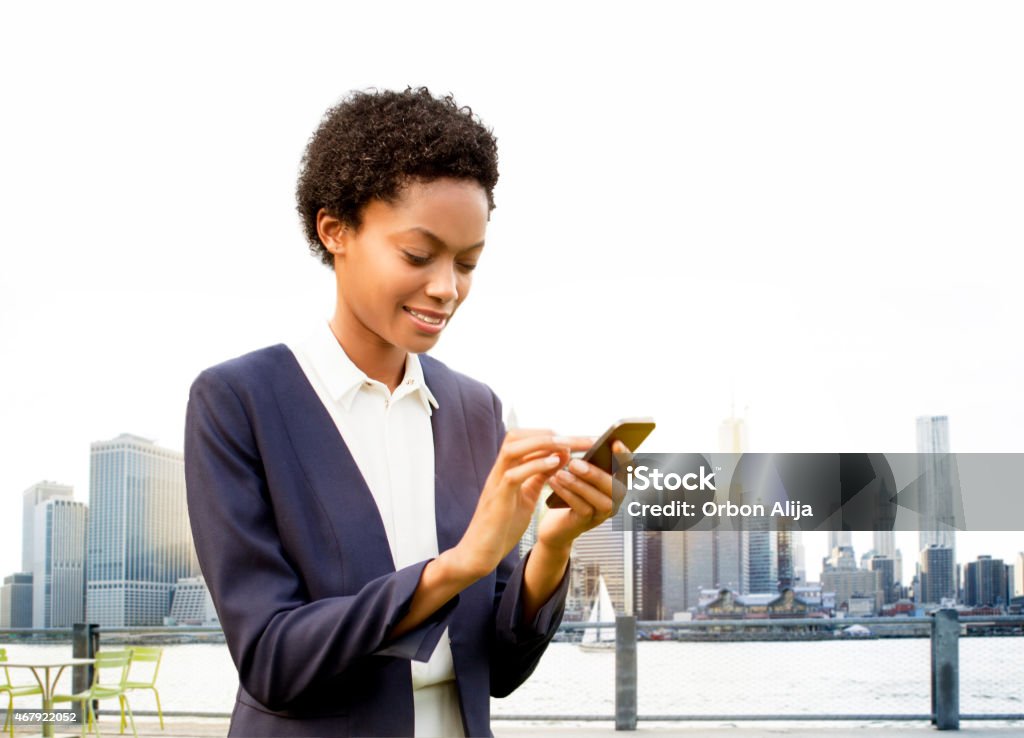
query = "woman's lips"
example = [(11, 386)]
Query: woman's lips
[(429, 321)]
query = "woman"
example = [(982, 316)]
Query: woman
[(356, 507)]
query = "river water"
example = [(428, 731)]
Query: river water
[(674, 678)]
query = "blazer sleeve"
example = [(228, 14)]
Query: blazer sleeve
[(518, 645), (281, 642)]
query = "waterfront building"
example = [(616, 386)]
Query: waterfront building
[(34, 495), (16, 601), (728, 604), (886, 569), (985, 583), (849, 583), (58, 569), (936, 576), (192, 604), (1018, 576), (139, 541)]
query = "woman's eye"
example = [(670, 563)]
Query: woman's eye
[(416, 258), (467, 267)]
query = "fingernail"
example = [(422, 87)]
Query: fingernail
[(566, 476), (579, 466), (552, 460), (560, 440)]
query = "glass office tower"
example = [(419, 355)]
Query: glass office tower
[(140, 542)]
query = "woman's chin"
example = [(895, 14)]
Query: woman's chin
[(418, 344)]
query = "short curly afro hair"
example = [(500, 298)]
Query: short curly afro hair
[(373, 143)]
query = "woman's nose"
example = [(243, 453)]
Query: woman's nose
[(443, 285)]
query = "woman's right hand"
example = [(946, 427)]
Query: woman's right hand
[(526, 460)]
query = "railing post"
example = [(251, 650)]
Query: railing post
[(85, 641), (625, 672), (946, 670)]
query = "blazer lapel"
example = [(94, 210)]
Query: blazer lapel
[(456, 485), (333, 475)]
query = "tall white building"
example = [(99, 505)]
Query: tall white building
[(140, 542), (1018, 576), (937, 520), (58, 568), (37, 493)]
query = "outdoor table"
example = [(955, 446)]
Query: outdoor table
[(45, 683)]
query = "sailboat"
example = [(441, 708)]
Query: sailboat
[(600, 639)]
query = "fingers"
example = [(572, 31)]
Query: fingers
[(539, 444), (575, 502), (589, 484), (517, 475)]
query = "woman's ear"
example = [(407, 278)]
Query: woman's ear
[(333, 233)]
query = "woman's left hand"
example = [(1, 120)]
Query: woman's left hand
[(592, 495)]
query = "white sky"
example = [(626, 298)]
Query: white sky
[(813, 208)]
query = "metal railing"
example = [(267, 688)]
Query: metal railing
[(943, 628)]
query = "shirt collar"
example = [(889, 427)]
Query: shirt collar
[(343, 379)]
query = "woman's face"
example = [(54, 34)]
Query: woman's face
[(404, 273)]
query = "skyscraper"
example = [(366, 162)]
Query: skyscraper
[(763, 553), (37, 493), (58, 571), (886, 568), (140, 543), (985, 583), (648, 584), (16, 601), (937, 575), (937, 520)]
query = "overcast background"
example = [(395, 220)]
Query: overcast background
[(811, 210)]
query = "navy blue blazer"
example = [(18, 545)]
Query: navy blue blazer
[(294, 553)]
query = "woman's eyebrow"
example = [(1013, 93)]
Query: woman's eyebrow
[(431, 236)]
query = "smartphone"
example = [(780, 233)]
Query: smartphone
[(631, 431)]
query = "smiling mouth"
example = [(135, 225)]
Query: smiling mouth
[(428, 318)]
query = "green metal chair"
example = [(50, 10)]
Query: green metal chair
[(12, 691), (110, 677), (145, 655)]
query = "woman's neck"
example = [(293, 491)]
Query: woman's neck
[(378, 360)]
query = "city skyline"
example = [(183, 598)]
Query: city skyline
[(817, 545)]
